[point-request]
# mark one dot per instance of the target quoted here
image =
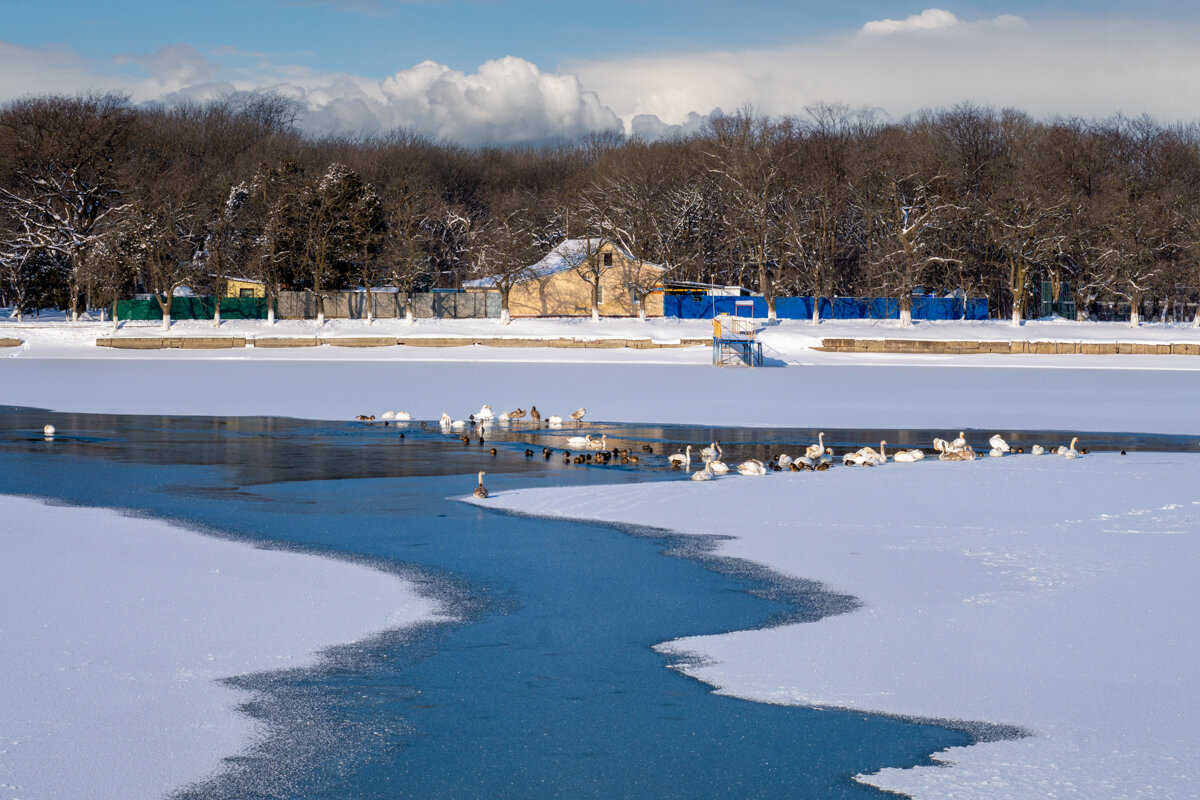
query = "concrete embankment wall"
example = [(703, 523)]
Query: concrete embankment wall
[(941, 347)]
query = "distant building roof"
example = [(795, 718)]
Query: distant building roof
[(569, 254)]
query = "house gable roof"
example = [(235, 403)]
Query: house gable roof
[(569, 254)]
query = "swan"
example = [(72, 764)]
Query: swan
[(578, 414), (941, 445), (851, 459), (868, 454), (815, 450), (504, 418), (909, 456), (535, 415), (481, 490), (784, 460), (960, 442), (1037, 450), (998, 443), (554, 421), (705, 474), (48, 431), (752, 467), (712, 452), (1070, 452), (580, 441), (719, 467), (517, 414), (388, 415), (484, 414), (601, 444), (995, 452), (805, 461), (683, 459), (403, 416), (825, 458), (445, 420), (458, 423), (964, 454)]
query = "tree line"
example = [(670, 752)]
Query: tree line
[(100, 198)]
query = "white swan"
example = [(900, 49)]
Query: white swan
[(940, 445), (752, 467), (599, 444), (458, 423), (48, 431), (806, 461), (960, 442), (579, 441), (445, 420), (683, 459), (1070, 452), (909, 456), (784, 460), (826, 458), (815, 450), (554, 421), (997, 442), (484, 414), (868, 454), (504, 419), (995, 452), (1037, 450), (403, 416), (712, 452), (718, 467), (388, 415), (705, 474)]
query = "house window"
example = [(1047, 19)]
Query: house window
[(245, 293), (608, 259)]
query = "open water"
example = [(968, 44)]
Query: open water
[(546, 686)]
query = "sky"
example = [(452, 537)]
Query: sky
[(505, 71)]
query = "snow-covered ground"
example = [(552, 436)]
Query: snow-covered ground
[(115, 630), (1041, 593), (1053, 595)]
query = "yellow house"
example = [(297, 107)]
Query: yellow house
[(555, 287), (244, 287)]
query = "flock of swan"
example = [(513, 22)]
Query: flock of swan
[(817, 457)]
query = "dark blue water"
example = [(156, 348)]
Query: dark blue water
[(547, 687)]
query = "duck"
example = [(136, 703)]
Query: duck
[(683, 459), (632, 459), (717, 466), (493, 451), (815, 450), (365, 418), (577, 415), (1037, 450), (481, 490), (713, 451), (752, 467), (705, 474), (997, 443), (465, 439), (529, 453), (647, 448)]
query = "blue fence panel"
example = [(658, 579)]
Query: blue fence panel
[(691, 306)]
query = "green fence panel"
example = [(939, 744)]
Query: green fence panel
[(194, 308)]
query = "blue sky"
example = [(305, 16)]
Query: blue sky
[(666, 61)]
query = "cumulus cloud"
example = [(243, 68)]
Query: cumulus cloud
[(1087, 67)]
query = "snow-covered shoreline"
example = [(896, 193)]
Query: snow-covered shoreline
[(1041, 593), (117, 629)]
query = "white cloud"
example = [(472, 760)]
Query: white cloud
[(928, 20), (1089, 68)]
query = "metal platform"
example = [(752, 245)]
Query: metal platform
[(735, 342)]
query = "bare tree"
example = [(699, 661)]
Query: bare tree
[(64, 187), (506, 244)]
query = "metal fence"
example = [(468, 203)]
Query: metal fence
[(390, 305), (194, 308)]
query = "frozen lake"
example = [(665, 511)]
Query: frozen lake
[(549, 686)]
